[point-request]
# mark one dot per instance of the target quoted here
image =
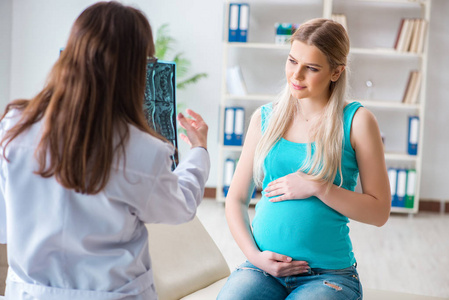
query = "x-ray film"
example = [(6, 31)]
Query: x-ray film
[(160, 101)]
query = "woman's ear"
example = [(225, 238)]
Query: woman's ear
[(337, 72)]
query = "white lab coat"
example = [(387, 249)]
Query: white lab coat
[(67, 245)]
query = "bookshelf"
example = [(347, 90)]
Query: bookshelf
[(373, 27)]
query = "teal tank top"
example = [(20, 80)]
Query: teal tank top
[(305, 229)]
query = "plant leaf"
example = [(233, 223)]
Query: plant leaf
[(191, 80), (164, 42), (182, 65), (163, 45)]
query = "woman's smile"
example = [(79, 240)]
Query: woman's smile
[(297, 86)]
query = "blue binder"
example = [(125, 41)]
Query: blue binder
[(413, 135), (234, 126), (393, 177), (229, 168), (401, 187), (253, 195), (234, 33), (243, 22)]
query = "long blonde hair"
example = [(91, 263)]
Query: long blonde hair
[(94, 91), (332, 40)]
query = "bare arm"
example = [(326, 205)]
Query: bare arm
[(237, 203), (373, 205), (238, 197)]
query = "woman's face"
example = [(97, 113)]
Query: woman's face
[(308, 72)]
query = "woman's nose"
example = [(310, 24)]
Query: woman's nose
[(298, 74)]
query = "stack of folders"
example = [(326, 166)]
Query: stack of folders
[(411, 35), (412, 89), (284, 32), (402, 185), (234, 126), (413, 135), (229, 170), (238, 22)]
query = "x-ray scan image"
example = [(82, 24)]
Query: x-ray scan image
[(160, 101)]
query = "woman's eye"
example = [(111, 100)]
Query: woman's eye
[(313, 69), (292, 61)]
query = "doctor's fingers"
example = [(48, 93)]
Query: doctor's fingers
[(195, 115), (185, 122), (185, 138)]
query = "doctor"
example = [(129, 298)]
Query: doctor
[(81, 171)]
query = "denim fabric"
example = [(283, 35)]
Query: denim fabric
[(248, 282)]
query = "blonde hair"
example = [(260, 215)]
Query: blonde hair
[(332, 40)]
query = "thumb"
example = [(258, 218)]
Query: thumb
[(183, 122)]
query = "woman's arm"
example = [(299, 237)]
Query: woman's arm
[(2, 210), (237, 203), (373, 205), (175, 196), (237, 200)]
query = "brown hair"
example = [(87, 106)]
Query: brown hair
[(93, 92)]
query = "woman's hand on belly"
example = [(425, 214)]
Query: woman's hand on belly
[(295, 185), (279, 265)]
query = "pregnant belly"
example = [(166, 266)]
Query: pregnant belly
[(304, 229)]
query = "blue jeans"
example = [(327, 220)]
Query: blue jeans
[(248, 282)]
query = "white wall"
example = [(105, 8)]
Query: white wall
[(5, 50), (37, 38), (40, 28)]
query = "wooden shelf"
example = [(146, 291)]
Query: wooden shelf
[(400, 157), (368, 51), (396, 209), (395, 1), (388, 104), (251, 97), (258, 45), (231, 148), (388, 156), (383, 52)]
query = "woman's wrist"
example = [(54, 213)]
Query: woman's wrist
[(320, 188), (205, 148), (252, 255)]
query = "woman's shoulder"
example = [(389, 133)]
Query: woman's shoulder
[(352, 106), (265, 112), (265, 109), (10, 118), (355, 111), (358, 112), (144, 151), (143, 140), (363, 117), (364, 125)]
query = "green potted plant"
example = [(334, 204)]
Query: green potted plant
[(164, 45)]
